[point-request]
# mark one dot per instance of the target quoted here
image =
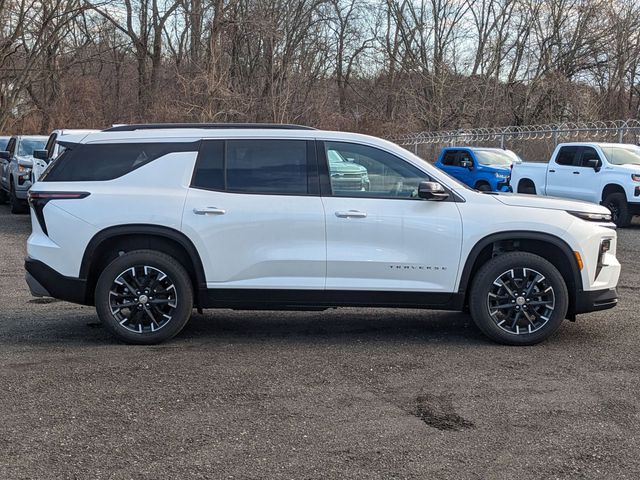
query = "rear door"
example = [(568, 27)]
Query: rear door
[(562, 173), (254, 212)]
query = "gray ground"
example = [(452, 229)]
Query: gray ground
[(339, 394)]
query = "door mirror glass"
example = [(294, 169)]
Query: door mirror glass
[(432, 191), (41, 154), (5, 155)]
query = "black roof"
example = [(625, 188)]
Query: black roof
[(158, 126)]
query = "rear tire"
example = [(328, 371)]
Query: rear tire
[(144, 297), (617, 204), (518, 298)]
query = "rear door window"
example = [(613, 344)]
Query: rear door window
[(567, 156), (277, 167)]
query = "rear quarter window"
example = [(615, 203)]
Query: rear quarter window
[(108, 161)]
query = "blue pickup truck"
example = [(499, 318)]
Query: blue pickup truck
[(485, 169)]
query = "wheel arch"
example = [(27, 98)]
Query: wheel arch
[(612, 188), (526, 182), (547, 246), (102, 247)]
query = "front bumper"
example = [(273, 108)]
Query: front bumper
[(595, 300), (44, 281)]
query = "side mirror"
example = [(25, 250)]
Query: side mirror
[(25, 162), (466, 164), (432, 191), (41, 154), (594, 163), (5, 155)]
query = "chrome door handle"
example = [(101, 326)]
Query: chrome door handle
[(209, 211), (351, 214)]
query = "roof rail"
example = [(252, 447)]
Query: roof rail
[(158, 126)]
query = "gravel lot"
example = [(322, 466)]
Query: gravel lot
[(339, 394)]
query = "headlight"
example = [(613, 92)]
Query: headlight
[(501, 175), (635, 177), (592, 217), (23, 169)]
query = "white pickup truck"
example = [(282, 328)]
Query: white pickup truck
[(605, 173)]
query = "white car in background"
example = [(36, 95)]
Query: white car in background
[(605, 173)]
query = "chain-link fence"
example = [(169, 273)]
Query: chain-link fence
[(531, 142)]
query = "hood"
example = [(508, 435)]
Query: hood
[(632, 167), (494, 169), (24, 159), (550, 203), (346, 167)]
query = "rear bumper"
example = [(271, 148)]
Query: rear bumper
[(592, 301), (44, 281)]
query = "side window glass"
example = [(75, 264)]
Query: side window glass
[(567, 156), (209, 171), (449, 158), (267, 166), (11, 146), (363, 171), (590, 158)]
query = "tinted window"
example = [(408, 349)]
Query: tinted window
[(449, 158), (370, 172), (567, 156), (209, 171), (94, 161), (3, 144), (267, 166)]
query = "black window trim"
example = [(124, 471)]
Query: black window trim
[(325, 180), (313, 187)]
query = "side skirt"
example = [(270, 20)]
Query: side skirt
[(269, 299)]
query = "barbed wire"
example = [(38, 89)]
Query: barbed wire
[(615, 129)]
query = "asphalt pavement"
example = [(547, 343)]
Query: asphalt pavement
[(340, 394)]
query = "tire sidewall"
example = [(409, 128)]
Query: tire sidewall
[(165, 263), (620, 201), (489, 272)]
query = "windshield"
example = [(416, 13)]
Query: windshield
[(493, 157), (28, 145), (335, 157), (623, 154)]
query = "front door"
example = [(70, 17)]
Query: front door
[(386, 238), (255, 214), (563, 174)]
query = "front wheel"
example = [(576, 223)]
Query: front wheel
[(518, 298), (144, 297), (17, 205), (619, 208), (483, 187)]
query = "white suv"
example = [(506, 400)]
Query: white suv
[(147, 222)]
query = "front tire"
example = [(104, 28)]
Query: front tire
[(483, 187), (3, 197), (617, 204), (518, 298), (17, 206), (144, 297)]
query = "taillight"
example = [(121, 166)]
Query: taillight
[(38, 200)]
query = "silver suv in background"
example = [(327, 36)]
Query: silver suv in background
[(16, 163)]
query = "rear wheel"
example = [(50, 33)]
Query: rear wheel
[(144, 297), (617, 204), (518, 298), (527, 187)]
